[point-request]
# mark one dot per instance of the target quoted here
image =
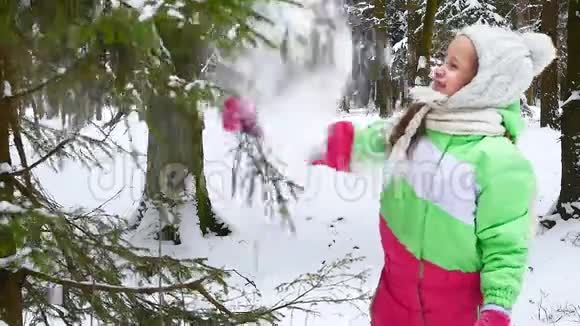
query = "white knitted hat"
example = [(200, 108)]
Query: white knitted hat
[(508, 61)]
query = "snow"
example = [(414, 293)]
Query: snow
[(5, 168), (336, 216), (175, 13), (472, 4), (147, 8), (18, 256), (9, 208), (542, 147), (571, 208), (7, 89), (422, 63), (122, 178), (290, 94)]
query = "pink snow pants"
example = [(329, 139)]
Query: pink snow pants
[(439, 298)]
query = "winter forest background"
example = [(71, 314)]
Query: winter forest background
[(122, 202)]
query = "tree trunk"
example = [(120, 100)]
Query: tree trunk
[(175, 138), (11, 303), (11, 300), (562, 46), (207, 219), (413, 23), (176, 148), (383, 87), (10, 282), (362, 70), (569, 201), (522, 13), (424, 50), (549, 79)]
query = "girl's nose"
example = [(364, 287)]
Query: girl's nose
[(439, 72)]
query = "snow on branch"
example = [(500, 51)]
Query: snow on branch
[(14, 260), (575, 96)]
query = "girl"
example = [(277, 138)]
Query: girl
[(455, 208)]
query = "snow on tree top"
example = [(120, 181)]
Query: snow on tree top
[(472, 4)]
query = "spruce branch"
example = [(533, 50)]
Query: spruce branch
[(53, 79), (47, 156), (194, 284), (260, 168), (51, 143)]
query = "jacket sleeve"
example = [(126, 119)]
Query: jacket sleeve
[(346, 144), (503, 219), (370, 142)]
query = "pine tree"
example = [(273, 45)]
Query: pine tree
[(70, 59)]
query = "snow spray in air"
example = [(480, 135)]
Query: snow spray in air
[(297, 87)]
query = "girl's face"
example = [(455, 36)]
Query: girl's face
[(459, 69)]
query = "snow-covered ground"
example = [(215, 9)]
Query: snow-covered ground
[(338, 215)]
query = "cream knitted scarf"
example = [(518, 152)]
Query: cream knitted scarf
[(455, 119)]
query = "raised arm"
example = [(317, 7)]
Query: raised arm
[(346, 144)]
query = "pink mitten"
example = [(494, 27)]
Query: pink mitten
[(493, 318), (240, 115), (338, 146)]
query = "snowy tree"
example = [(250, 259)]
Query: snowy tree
[(455, 14), (74, 58), (363, 22), (379, 37), (383, 88), (569, 201)]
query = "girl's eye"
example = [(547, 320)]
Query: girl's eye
[(451, 65)]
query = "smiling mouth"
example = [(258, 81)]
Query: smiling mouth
[(438, 85)]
